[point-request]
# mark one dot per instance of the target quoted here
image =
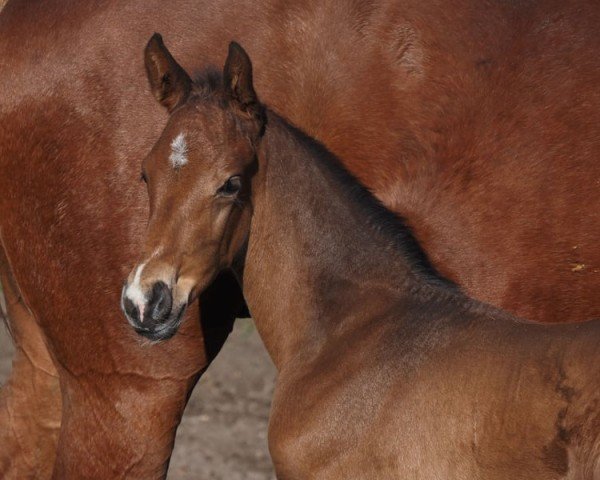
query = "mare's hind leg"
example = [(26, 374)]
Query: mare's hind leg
[(30, 402)]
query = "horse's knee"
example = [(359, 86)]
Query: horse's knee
[(30, 401)]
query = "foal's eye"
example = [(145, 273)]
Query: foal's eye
[(231, 186), (143, 177)]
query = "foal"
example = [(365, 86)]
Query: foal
[(385, 369)]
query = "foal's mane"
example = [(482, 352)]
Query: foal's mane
[(208, 85), (384, 221)]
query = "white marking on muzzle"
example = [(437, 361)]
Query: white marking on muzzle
[(134, 291), (179, 151)]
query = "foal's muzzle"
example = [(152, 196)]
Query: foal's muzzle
[(153, 317)]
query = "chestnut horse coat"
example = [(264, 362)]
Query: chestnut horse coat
[(478, 121)]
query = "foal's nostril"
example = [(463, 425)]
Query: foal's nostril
[(160, 304)]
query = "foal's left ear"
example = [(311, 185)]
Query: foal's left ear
[(169, 82), (237, 79)]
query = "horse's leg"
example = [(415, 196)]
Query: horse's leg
[(123, 420), (122, 425), (30, 402)]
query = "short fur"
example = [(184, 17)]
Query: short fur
[(385, 370), (477, 121)]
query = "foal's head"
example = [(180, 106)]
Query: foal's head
[(198, 176)]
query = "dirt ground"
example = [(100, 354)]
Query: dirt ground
[(223, 435)]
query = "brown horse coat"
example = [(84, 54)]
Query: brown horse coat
[(477, 121), (386, 370)]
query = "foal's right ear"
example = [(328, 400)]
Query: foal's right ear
[(169, 82)]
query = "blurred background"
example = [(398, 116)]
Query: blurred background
[(223, 434)]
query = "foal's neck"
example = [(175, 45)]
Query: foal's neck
[(322, 253)]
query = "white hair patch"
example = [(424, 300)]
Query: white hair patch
[(134, 291), (179, 151)]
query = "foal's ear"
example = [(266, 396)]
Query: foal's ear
[(237, 80), (169, 82)]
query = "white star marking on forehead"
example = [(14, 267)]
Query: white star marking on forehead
[(178, 155)]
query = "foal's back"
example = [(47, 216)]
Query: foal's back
[(444, 389)]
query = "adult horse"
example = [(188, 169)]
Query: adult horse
[(478, 122)]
